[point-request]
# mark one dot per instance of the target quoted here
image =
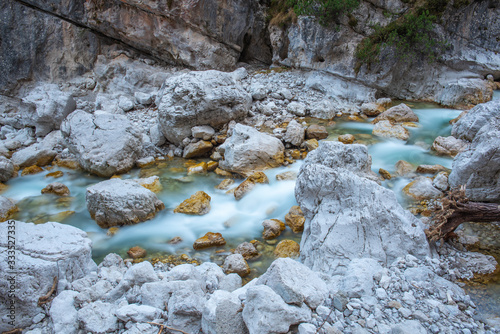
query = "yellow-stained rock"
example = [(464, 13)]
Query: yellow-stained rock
[(212, 165), (112, 231), (136, 252), (272, 228), (311, 144), (31, 170), (175, 240), (197, 204), (317, 132), (68, 163), (200, 168), (287, 248), (7, 208), (385, 174), (247, 185), (55, 175), (225, 184), (197, 149), (116, 177), (410, 125), (295, 154), (209, 240), (346, 139), (403, 168), (431, 169), (58, 217), (56, 188), (3, 187), (286, 176), (151, 183), (223, 173), (295, 219)]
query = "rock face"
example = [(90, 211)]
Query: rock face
[(469, 125), (119, 202), (249, 150), (478, 168), (42, 253), (200, 98), (348, 216), (104, 144)]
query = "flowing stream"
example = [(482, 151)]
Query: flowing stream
[(237, 221)]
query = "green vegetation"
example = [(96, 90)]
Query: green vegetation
[(281, 13), (327, 11)]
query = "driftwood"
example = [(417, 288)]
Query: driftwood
[(456, 209), (14, 331), (46, 298), (165, 326)]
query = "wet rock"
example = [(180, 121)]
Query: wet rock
[(32, 155), (449, 146), (430, 169), (311, 144), (55, 175), (212, 166), (272, 228), (385, 174), (247, 185), (56, 188), (295, 219), (372, 109), (225, 184), (296, 108), (403, 168), (386, 129), (421, 189), (295, 133), (398, 114), (136, 252), (31, 170), (285, 176), (204, 132), (7, 208), (359, 219), (210, 239), (247, 250), (112, 148), (7, 170), (151, 183), (295, 283), (223, 173), (346, 139), (119, 202), (200, 168), (287, 248), (266, 312), (249, 150), (197, 204), (175, 240), (40, 247), (200, 98), (235, 263), (198, 149), (316, 131)]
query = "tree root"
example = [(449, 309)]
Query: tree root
[(167, 327), (46, 298)]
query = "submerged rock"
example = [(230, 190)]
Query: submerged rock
[(247, 250), (136, 252), (104, 144), (404, 168), (295, 219), (348, 215), (119, 202), (388, 130), (249, 150), (272, 228), (287, 248), (197, 204), (200, 98), (422, 188), (346, 139), (56, 188)]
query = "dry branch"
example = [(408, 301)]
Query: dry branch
[(46, 298), (165, 326)]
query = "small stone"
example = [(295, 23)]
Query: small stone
[(385, 174), (372, 109), (225, 184), (198, 149), (143, 98), (287, 248), (247, 185), (431, 169), (56, 188), (125, 103), (209, 240), (197, 204), (403, 168), (235, 263), (272, 228), (222, 172), (346, 139), (136, 252), (394, 304), (31, 170), (317, 132), (398, 114), (55, 175), (175, 241), (247, 250), (145, 162), (200, 168), (286, 176), (311, 144), (151, 183), (112, 231), (212, 165), (388, 130), (204, 132), (295, 219)]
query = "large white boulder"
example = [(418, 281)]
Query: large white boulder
[(200, 98), (42, 252), (469, 125), (104, 144), (349, 216), (249, 150), (119, 202)]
